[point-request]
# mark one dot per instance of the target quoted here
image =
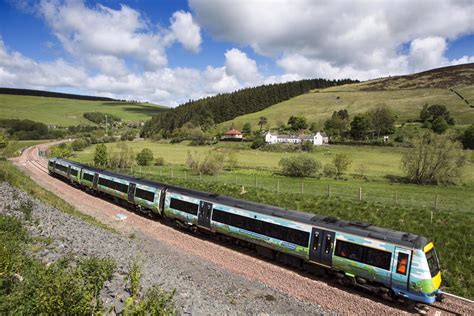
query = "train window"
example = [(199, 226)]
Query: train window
[(402, 263), (61, 167), (51, 163), (74, 172), (113, 185), (378, 258), (349, 250), (327, 247), (88, 177), (184, 206), (316, 240), (276, 231), (145, 195)]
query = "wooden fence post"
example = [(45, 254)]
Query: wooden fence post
[(302, 190), (200, 176), (396, 197), (360, 193), (436, 202), (172, 173), (329, 190), (185, 175), (278, 185)]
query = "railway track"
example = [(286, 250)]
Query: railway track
[(452, 305)]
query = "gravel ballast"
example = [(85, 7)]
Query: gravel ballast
[(202, 288)]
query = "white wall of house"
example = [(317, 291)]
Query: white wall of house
[(318, 139)]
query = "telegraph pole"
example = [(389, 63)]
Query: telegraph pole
[(106, 133)]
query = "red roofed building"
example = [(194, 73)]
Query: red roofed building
[(232, 134)]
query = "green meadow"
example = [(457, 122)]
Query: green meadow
[(67, 112)]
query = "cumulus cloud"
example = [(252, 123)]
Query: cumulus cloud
[(362, 38), (242, 67), (105, 35), (186, 31)]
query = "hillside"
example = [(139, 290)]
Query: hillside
[(406, 95), (50, 94), (67, 112)]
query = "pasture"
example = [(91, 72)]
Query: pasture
[(318, 105), (67, 112), (259, 168)]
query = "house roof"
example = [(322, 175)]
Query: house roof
[(233, 132)]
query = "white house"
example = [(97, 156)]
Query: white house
[(317, 139)]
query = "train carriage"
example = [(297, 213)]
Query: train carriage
[(390, 262)]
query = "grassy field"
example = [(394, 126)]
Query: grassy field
[(262, 167), (14, 147), (67, 112), (318, 105)]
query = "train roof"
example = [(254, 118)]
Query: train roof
[(326, 222)]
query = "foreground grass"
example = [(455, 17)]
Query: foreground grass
[(450, 231), (67, 112), (21, 181)]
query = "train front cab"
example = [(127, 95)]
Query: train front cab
[(423, 275)]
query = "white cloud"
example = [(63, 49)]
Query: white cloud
[(333, 38), (242, 67), (186, 31)]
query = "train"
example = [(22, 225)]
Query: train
[(395, 265)]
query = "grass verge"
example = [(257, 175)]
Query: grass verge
[(21, 181)]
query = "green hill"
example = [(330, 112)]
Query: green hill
[(406, 95), (67, 112)]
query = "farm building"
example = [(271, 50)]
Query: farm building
[(317, 139), (232, 134)]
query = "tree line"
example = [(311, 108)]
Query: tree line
[(49, 94), (223, 107)]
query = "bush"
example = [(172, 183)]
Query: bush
[(211, 164), (62, 150), (329, 171), (467, 138), (159, 161), (79, 144), (307, 146), (100, 155), (299, 166), (341, 163), (128, 135), (145, 157), (258, 142)]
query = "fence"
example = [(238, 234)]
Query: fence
[(447, 199)]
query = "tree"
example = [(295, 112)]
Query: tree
[(467, 138), (307, 146), (383, 120), (297, 123), (62, 150), (434, 159), (262, 121), (145, 157), (247, 129), (439, 125), (341, 162), (3, 141), (211, 164), (337, 124), (299, 166), (431, 113), (100, 155), (360, 127)]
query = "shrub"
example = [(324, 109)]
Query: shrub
[(467, 138), (341, 163), (159, 161), (211, 164), (100, 155), (62, 150), (307, 146), (79, 144), (128, 135), (439, 125), (329, 171), (145, 157), (258, 142), (299, 166)]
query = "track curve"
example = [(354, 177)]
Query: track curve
[(299, 285)]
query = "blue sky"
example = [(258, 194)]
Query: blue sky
[(170, 51)]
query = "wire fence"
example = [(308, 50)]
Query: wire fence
[(447, 199)]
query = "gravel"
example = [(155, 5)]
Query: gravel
[(202, 288)]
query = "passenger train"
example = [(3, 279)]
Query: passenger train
[(393, 264)]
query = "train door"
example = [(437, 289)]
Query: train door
[(204, 215), (321, 246), (401, 268), (69, 172), (131, 192), (96, 181)]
